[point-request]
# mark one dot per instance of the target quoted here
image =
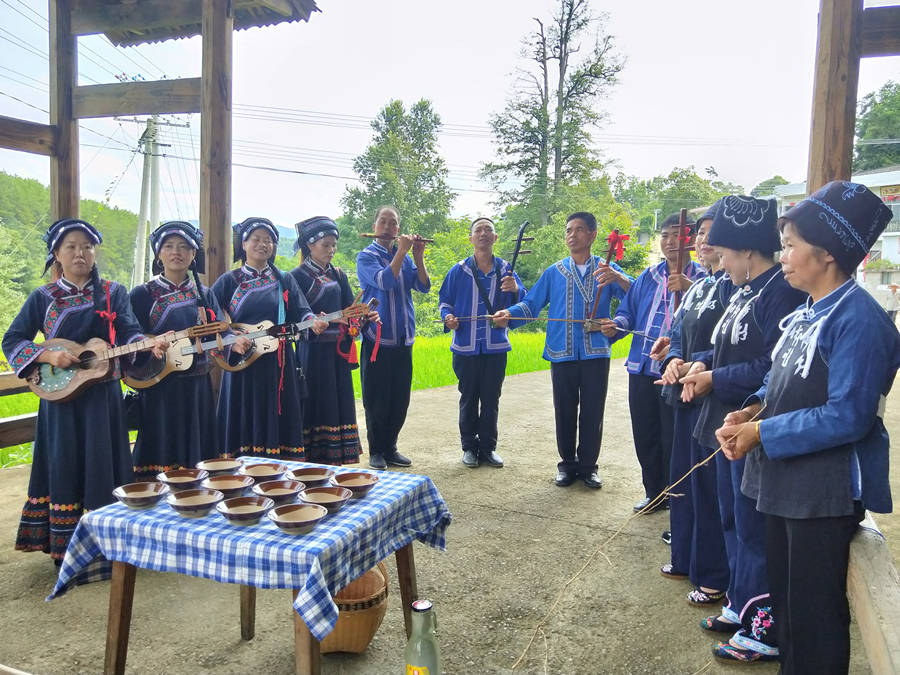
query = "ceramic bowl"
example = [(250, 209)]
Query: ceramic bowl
[(220, 465), (332, 498), (228, 484), (194, 503), (182, 479), (244, 510), (297, 518), (140, 496), (279, 491), (358, 482), (312, 476), (264, 471)]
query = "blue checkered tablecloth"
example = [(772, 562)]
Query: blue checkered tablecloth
[(400, 508)]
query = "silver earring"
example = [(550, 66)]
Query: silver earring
[(748, 273)]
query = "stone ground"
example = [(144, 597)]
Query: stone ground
[(515, 541)]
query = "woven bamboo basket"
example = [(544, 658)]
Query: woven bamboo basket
[(362, 604)]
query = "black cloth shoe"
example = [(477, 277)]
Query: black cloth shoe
[(660, 505), (564, 478), (396, 459), (666, 536), (593, 481), (377, 461), (491, 458), (470, 458)]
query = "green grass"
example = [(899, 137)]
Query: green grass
[(432, 367)]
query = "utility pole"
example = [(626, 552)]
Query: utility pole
[(148, 142), (154, 192)]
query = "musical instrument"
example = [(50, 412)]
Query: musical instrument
[(176, 358), (684, 237), (95, 363), (616, 247), (371, 235), (516, 253), (265, 335)]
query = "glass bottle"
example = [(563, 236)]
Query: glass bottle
[(422, 654)]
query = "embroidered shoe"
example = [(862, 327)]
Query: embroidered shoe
[(728, 652), (670, 572), (700, 598), (717, 624)]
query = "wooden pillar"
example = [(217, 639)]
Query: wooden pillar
[(834, 92), (64, 187), (215, 136)]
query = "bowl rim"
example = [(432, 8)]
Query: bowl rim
[(202, 474), (174, 497), (368, 474), (346, 495), (264, 503), (231, 476), (316, 470), (161, 489), (244, 466), (238, 463), (274, 512), (260, 488)]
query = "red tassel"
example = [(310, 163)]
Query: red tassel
[(350, 355), (377, 342), (617, 241), (110, 316), (211, 313)]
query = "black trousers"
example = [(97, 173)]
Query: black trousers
[(480, 381), (651, 426), (807, 561), (579, 397), (385, 393)]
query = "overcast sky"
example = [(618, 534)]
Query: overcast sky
[(706, 83)]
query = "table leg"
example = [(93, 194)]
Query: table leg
[(307, 657), (406, 571), (248, 612), (118, 626)]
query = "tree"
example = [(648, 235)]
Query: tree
[(653, 199), (767, 186), (401, 167), (543, 135), (878, 120)]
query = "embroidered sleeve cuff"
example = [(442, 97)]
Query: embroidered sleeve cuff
[(23, 355), (622, 322), (521, 310)]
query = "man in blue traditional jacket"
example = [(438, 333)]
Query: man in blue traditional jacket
[(473, 288), (579, 358), (387, 273)]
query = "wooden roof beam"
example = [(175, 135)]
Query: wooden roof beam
[(27, 136), (137, 98), (90, 17), (880, 31)]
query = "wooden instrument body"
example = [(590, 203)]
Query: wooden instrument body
[(175, 360), (263, 343), (64, 384)]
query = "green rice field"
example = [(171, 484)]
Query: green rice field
[(431, 368)]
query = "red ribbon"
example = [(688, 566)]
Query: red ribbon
[(616, 242), (211, 313), (377, 342), (110, 316)]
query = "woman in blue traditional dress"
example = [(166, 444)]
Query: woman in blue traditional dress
[(259, 410), (698, 548), (329, 414), (177, 417), (817, 453), (744, 233), (81, 448)]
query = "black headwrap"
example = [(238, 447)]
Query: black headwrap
[(193, 235), (55, 233), (311, 230), (243, 230)]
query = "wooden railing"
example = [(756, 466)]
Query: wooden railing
[(19, 428)]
